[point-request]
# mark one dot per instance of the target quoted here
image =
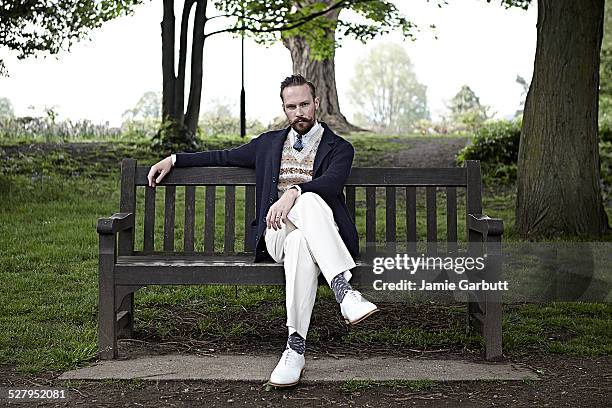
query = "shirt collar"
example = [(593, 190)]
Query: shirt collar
[(315, 128)]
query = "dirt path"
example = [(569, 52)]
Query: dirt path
[(429, 152)]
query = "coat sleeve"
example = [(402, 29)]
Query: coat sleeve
[(241, 156), (331, 182)]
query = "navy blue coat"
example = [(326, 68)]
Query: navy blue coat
[(332, 166)]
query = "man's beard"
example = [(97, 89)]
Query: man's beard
[(303, 125)]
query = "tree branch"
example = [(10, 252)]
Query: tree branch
[(295, 24)]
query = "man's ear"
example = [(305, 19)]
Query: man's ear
[(317, 101)]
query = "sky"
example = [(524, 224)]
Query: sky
[(479, 44)]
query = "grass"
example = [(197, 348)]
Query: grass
[(48, 269)]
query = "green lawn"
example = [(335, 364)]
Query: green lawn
[(48, 269)]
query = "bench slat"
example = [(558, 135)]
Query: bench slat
[(189, 218), (360, 176), (127, 204), (350, 200), (370, 219), (411, 226), (432, 219), (390, 218), (230, 219), (209, 220), (149, 218), (249, 215), (169, 218), (451, 218)]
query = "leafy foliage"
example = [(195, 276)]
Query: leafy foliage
[(6, 108), (271, 20), (466, 108), (387, 91), (496, 145), (33, 26)]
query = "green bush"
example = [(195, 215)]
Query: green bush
[(496, 145)]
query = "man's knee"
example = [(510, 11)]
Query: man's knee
[(311, 199)]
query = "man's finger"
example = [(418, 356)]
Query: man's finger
[(150, 176), (161, 176)]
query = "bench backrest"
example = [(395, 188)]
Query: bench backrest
[(401, 185)]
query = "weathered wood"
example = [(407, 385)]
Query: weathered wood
[(451, 218), (126, 238), (432, 211), (127, 204), (370, 219), (107, 325), (120, 276), (190, 210), (411, 225), (350, 201), (149, 219), (473, 204), (390, 219), (249, 215), (230, 220), (169, 218), (209, 220), (392, 176)]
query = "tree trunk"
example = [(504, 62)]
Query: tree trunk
[(179, 127), (558, 164), (323, 75), (197, 72), (168, 78)]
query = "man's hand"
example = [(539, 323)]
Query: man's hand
[(279, 210), (162, 167)]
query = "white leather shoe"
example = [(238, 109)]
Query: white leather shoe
[(355, 308), (288, 370)]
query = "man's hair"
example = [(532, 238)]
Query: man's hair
[(297, 80)]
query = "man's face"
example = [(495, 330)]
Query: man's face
[(300, 108)]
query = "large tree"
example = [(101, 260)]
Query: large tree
[(264, 20), (312, 46), (257, 17), (558, 165), (34, 27)]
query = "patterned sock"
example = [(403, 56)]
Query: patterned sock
[(296, 342), (340, 286)]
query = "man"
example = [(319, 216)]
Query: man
[(302, 219)]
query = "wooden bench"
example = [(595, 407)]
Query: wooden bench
[(123, 269)]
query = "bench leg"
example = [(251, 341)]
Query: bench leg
[(125, 317), (107, 324), (492, 331), (485, 317)]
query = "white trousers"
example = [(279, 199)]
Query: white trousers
[(307, 244)]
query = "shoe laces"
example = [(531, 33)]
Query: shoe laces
[(355, 295), (290, 356)]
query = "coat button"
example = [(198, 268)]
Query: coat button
[(274, 179), (271, 201)]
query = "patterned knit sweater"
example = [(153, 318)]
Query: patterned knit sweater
[(296, 167)]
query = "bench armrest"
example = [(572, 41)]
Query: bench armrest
[(115, 223), (485, 225)]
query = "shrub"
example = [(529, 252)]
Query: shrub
[(496, 145)]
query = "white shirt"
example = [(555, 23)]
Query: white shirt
[(293, 135), (305, 138)]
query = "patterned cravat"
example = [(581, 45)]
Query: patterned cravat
[(298, 143)]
